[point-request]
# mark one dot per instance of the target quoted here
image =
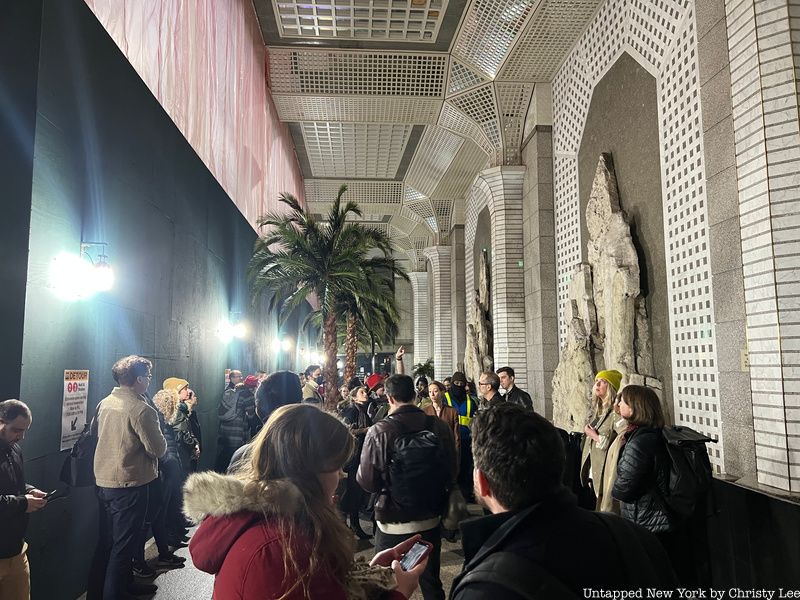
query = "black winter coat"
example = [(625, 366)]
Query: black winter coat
[(643, 480), (554, 536), (13, 518)]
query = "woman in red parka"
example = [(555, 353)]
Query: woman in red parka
[(271, 529)]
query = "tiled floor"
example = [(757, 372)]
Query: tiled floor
[(190, 584)]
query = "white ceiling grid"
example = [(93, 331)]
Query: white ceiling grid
[(550, 34), (357, 72), (357, 150), (435, 152), (514, 99), (360, 112), (357, 109), (463, 77), (402, 21), (458, 178), (489, 31), (457, 122), (363, 192)]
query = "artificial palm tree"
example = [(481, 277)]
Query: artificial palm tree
[(300, 257), (371, 313)]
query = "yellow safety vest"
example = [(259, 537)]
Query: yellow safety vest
[(464, 420)]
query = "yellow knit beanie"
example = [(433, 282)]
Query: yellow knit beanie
[(175, 383), (614, 378)]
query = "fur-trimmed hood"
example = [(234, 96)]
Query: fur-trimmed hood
[(210, 494), (228, 509)]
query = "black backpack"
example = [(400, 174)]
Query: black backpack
[(690, 473), (418, 474), (78, 467)]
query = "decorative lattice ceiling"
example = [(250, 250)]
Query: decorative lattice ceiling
[(406, 125), (358, 19)]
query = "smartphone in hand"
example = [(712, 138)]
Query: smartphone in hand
[(415, 555)]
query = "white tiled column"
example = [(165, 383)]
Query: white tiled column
[(419, 286), (503, 190), (767, 145), (439, 257)]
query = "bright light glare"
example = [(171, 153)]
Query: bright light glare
[(69, 277), (102, 277), (224, 331), (313, 358), (286, 344), (74, 278), (276, 345), (239, 330)]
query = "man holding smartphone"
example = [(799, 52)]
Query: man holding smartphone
[(17, 500)]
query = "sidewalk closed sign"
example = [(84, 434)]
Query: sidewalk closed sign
[(73, 411)]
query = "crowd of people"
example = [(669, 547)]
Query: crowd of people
[(281, 514)]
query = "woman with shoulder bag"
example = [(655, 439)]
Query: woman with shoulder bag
[(642, 482)]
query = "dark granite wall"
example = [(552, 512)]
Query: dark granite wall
[(20, 23), (109, 165)]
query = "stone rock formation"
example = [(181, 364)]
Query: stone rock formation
[(478, 353), (608, 327), (574, 374)]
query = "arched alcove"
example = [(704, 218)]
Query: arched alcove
[(623, 120)]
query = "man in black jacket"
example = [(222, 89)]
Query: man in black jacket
[(513, 393), (17, 499), (537, 543), (417, 510)]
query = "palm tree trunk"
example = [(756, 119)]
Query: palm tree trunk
[(351, 348), (330, 372)]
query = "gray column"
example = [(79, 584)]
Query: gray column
[(458, 287), (735, 405), (439, 257), (419, 286), (541, 304)]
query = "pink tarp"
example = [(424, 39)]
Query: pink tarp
[(205, 62)]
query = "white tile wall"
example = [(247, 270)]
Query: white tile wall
[(500, 188), (419, 286), (440, 257), (764, 54)]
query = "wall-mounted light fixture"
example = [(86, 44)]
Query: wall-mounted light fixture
[(79, 277), (280, 344), (231, 328)]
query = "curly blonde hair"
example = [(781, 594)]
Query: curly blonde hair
[(166, 401)]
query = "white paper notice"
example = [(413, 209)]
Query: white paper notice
[(73, 411)]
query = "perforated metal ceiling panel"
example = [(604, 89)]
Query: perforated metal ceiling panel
[(363, 192), (489, 30), (463, 77), (458, 178), (356, 150), (435, 152), (514, 99), (330, 72), (549, 35), (357, 109), (396, 21)]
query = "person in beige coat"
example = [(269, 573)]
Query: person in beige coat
[(129, 444), (606, 502), (599, 431)]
